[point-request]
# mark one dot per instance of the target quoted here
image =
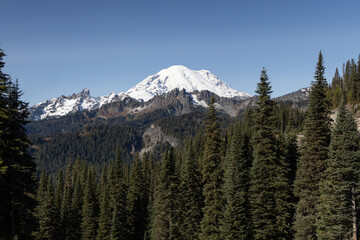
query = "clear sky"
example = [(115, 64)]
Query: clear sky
[(59, 47)]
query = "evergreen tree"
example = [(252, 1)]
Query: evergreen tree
[(76, 204), (59, 190), (66, 208), (89, 209), (337, 209), (49, 216), (166, 204), (291, 153), (270, 190), (136, 201), (18, 184), (212, 179), (191, 197), (105, 216), (236, 187), (312, 163), (118, 192)]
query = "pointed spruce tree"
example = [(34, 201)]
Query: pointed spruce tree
[(105, 217), (118, 192), (212, 179), (312, 163), (49, 216), (136, 201), (191, 196), (18, 183), (270, 190), (89, 208), (236, 187), (337, 209), (165, 223)]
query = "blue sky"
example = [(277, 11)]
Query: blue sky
[(60, 47)]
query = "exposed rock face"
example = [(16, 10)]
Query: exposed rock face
[(154, 135)]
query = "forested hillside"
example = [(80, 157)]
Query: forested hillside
[(273, 172)]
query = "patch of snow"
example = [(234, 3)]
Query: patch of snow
[(197, 102), (63, 105)]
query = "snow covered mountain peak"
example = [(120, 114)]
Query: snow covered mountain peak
[(63, 105), (181, 77)]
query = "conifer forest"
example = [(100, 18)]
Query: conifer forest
[(274, 172)]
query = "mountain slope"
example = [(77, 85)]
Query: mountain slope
[(165, 81), (182, 77), (63, 105)]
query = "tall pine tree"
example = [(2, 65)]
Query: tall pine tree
[(312, 163), (18, 184), (105, 216), (165, 223), (118, 192), (270, 190), (89, 208), (136, 201), (191, 196), (237, 182), (337, 209), (212, 178)]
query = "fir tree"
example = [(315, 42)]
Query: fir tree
[(270, 189), (118, 192), (212, 179), (236, 187), (18, 183), (76, 204), (59, 190), (190, 190), (66, 209), (166, 203), (312, 163), (105, 216), (337, 209), (136, 200), (49, 216), (89, 209)]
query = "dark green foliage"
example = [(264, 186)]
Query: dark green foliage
[(236, 187), (18, 182), (48, 216), (165, 222), (90, 208), (312, 163), (65, 211), (137, 199), (105, 216), (291, 153), (270, 190), (96, 144), (212, 178), (59, 189), (118, 193), (337, 209), (191, 197), (78, 186)]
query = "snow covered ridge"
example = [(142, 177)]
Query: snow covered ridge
[(63, 105), (182, 77), (163, 82)]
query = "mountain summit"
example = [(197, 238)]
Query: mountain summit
[(165, 81), (182, 77)]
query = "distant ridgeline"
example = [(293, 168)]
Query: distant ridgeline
[(58, 141)]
